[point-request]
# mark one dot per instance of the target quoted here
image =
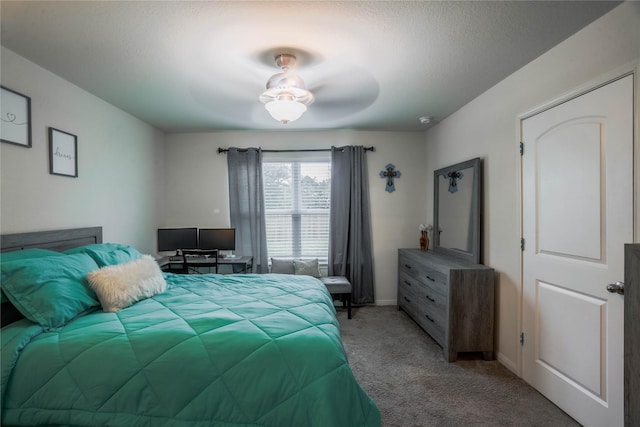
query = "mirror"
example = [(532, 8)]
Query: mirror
[(456, 228)]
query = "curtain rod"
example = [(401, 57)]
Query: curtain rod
[(226, 150)]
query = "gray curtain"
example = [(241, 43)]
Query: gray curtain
[(246, 204), (350, 252)]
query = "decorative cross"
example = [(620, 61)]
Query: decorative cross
[(389, 174), (453, 180)]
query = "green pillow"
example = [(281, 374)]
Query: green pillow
[(105, 254), (18, 255), (51, 290), (26, 254)]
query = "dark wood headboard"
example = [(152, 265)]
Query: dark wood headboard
[(55, 240)]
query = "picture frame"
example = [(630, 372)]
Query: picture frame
[(15, 118), (63, 153)]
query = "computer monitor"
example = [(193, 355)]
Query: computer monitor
[(223, 239), (172, 239)]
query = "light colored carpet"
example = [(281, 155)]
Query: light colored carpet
[(403, 370)]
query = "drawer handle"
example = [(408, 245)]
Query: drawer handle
[(408, 283), (429, 317), (430, 278), (407, 299), (430, 299), (408, 266)]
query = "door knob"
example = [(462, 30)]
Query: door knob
[(616, 288)]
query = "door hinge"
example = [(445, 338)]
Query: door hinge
[(522, 148), (522, 244), (521, 338)]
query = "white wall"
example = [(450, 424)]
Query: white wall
[(488, 127), (197, 191), (119, 159)]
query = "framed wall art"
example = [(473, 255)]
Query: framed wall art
[(63, 153), (15, 118)]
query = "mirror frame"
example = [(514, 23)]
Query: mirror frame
[(474, 255)]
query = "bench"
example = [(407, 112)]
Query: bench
[(339, 285), (336, 285)]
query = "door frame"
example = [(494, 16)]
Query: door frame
[(632, 68)]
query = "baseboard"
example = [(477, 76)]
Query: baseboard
[(386, 302), (508, 363)]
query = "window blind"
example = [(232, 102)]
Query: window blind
[(297, 202)]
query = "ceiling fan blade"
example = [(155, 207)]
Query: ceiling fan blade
[(343, 94)]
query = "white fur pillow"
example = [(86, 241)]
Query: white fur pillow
[(119, 286)]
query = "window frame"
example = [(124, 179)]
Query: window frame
[(297, 212)]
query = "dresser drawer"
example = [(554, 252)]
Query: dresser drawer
[(407, 299), (435, 280), (425, 293), (408, 266), (433, 326), (433, 303), (406, 282), (427, 307), (430, 277)]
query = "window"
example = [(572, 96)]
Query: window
[(297, 200)]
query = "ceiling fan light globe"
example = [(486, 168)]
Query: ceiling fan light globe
[(285, 111)]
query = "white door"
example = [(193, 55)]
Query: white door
[(577, 171)]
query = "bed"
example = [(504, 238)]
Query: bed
[(234, 350)]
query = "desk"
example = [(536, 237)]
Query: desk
[(174, 263), (246, 262)]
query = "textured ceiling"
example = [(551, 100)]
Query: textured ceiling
[(187, 66)]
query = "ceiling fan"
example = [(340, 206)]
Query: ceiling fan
[(335, 84), (286, 97)]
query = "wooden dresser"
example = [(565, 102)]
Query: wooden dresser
[(451, 299)]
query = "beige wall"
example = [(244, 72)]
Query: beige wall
[(489, 127), (197, 191), (119, 159)]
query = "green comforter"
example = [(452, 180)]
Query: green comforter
[(211, 350)]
